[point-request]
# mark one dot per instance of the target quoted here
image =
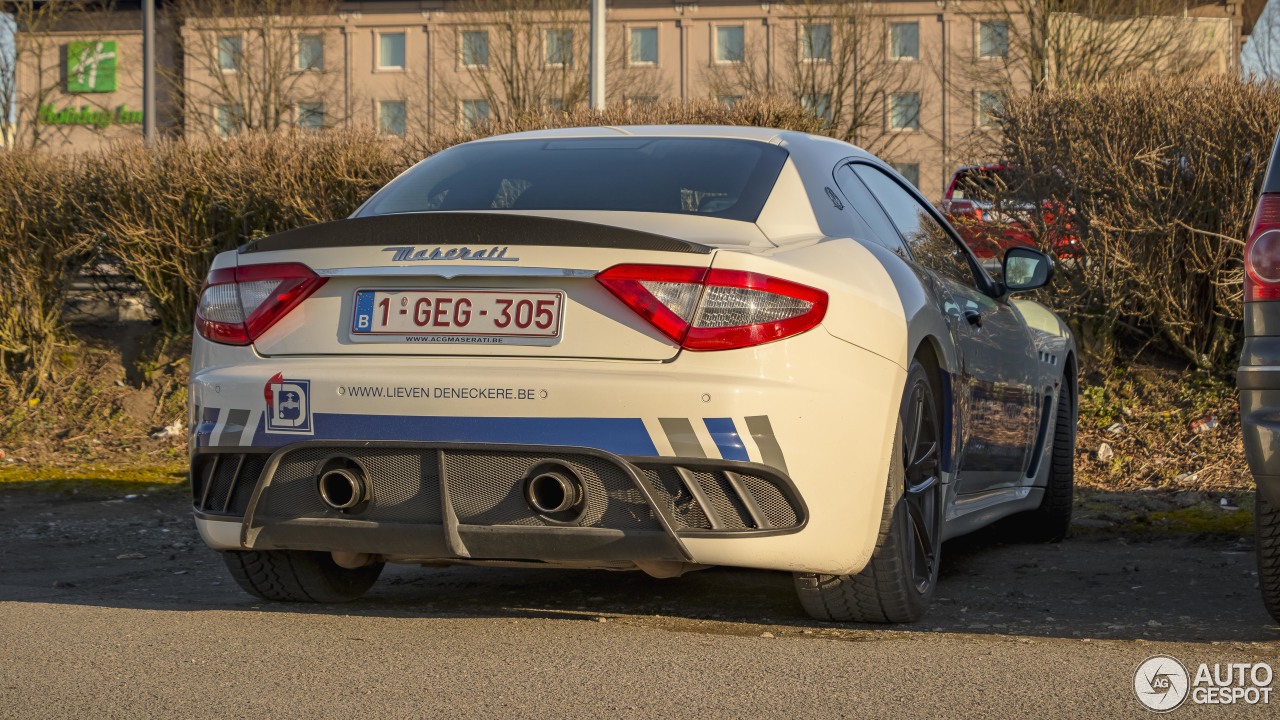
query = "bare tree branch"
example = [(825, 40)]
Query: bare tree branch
[(242, 63)]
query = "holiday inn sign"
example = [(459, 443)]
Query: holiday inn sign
[(91, 66), (90, 116)]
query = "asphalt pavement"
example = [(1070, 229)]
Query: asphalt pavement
[(111, 607)]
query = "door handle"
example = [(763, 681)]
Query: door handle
[(974, 317)]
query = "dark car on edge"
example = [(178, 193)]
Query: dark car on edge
[(1259, 377)]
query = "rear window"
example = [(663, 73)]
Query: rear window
[(721, 178)]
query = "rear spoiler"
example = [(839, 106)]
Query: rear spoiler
[(463, 228)]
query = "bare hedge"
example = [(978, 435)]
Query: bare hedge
[(165, 211), (41, 246), (1163, 177)]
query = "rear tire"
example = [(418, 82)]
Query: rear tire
[(898, 583), (1267, 518), (1050, 521), (299, 576)]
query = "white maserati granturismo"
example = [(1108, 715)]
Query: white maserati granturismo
[(653, 348)]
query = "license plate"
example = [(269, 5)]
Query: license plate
[(496, 317)]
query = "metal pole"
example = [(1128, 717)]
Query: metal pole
[(597, 54), (149, 71)]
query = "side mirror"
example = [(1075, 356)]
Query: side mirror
[(1026, 269)]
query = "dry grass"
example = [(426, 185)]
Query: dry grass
[(1165, 428)]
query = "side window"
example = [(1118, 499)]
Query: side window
[(928, 240), (865, 208)]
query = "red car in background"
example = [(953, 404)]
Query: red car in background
[(990, 220)]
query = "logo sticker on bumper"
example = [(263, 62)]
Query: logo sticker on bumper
[(288, 405)]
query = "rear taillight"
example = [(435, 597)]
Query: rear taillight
[(1262, 252), (239, 304), (716, 309)]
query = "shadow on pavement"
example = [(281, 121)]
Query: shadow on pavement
[(87, 548)]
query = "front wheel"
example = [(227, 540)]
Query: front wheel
[(898, 583), (299, 576)]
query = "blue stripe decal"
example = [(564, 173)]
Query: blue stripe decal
[(207, 422), (622, 436), (726, 438)]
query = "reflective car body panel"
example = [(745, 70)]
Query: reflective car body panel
[(783, 447)]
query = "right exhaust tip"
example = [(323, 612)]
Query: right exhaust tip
[(343, 488), (554, 493)]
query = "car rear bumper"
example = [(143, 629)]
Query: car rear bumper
[(431, 501), (774, 459), (1258, 379)]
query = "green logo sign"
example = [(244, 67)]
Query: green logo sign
[(90, 116), (91, 66)]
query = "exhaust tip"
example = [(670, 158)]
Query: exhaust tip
[(555, 492), (342, 485)]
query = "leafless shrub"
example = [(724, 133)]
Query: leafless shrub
[(1162, 177), (41, 244), (164, 212)]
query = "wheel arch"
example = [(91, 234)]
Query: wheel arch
[(930, 353), (1071, 378)]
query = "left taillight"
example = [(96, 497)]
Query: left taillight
[(716, 309), (239, 304)]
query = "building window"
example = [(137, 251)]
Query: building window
[(989, 106), (819, 104), (229, 119), (729, 44), (815, 43), (728, 100), (904, 41), (310, 52), (909, 171), (475, 48), (642, 100), (904, 111), (556, 105), (230, 52), (559, 47), (644, 46), (473, 113), (309, 115), (391, 51), (391, 117), (993, 39)]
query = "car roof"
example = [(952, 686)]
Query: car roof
[(733, 132), (989, 167)]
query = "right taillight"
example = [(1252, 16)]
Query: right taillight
[(239, 304), (1262, 252), (716, 309)]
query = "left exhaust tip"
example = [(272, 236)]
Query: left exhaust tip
[(342, 485)]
